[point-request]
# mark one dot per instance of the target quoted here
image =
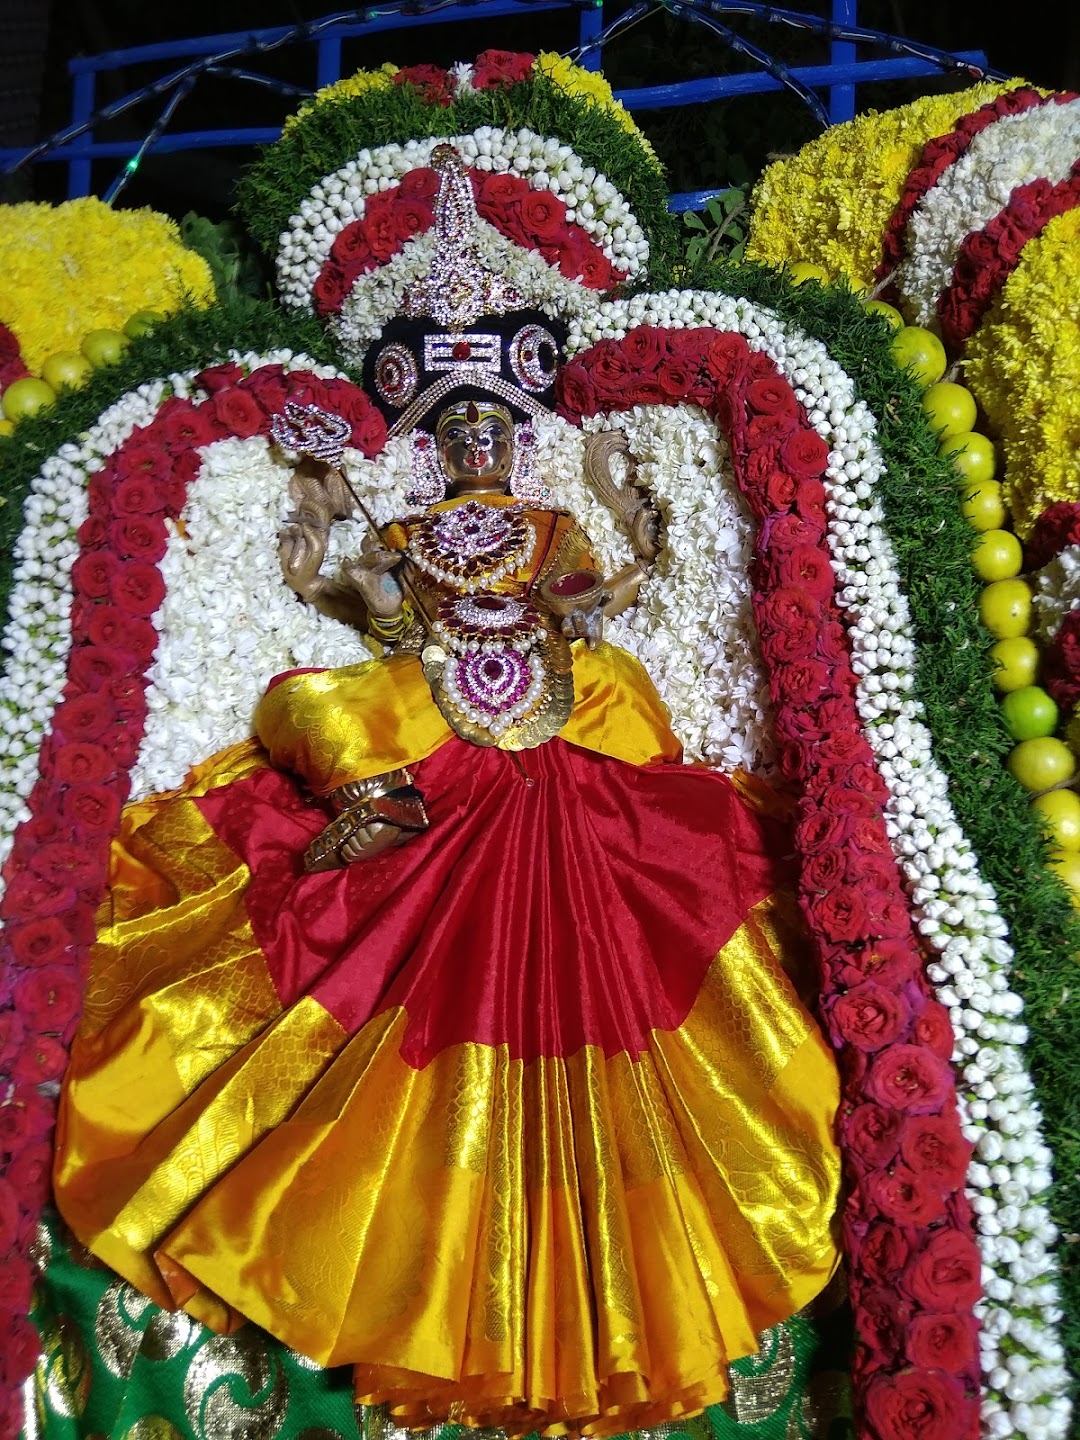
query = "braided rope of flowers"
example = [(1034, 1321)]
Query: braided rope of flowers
[(938, 154), (831, 201), (56, 870), (97, 266), (1042, 142), (988, 257), (1023, 366), (957, 910)]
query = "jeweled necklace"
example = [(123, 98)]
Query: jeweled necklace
[(471, 546), (494, 675)]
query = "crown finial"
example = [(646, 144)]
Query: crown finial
[(457, 289)]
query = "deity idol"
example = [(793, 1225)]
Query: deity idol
[(450, 1029)]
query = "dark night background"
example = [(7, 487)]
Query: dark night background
[(708, 146)]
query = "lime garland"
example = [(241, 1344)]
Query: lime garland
[(954, 684), (286, 172), (1023, 364), (189, 340), (830, 203), (96, 266)]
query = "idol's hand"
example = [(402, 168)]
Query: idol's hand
[(587, 625), (370, 575), (302, 550)]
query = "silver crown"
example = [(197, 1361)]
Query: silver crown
[(457, 289)]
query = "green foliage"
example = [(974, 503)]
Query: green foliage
[(186, 341), (234, 265), (720, 232)]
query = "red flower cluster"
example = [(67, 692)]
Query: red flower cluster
[(11, 361), (57, 868), (1057, 527), (533, 219), (988, 257), (941, 152), (493, 70), (914, 1264)]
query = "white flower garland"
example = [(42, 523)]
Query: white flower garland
[(1026, 1382), (1043, 142), (379, 295), (1056, 591), (337, 200)]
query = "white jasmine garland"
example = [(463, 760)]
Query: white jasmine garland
[(1040, 143), (379, 295), (337, 200), (1056, 591), (1025, 1380)]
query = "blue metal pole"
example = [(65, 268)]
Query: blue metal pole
[(591, 27), (328, 66), (82, 107), (842, 52)]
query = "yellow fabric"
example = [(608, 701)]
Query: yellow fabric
[(347, 724), (654, 1213)]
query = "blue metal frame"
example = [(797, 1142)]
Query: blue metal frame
[(77, 146)]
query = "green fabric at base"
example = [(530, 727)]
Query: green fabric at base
[(115, 1365)]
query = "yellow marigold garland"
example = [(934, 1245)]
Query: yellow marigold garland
[(830, 203), (1023, 366), (358, 84), (67, 269)]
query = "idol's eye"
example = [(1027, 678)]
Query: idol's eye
[(453, 432)]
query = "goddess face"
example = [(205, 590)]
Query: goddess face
[(475, 442)]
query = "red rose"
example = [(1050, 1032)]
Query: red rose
[(890, 962), (821, 872), (330, 289), (934, 1029), (30, 896), (676, 379), (788, 532), (645, 390), (139, 458), (92, 532), (609, 369), (868, 1016), (9, 1216), (269, 387), (902, 1195), (122, 743), (84, 717), (805, 454), (42, 1058), (881, 1320), (643, 347), (769, 429), (92, 574), (19, 1353), (869, 834), (419, 184), (380, 230), (832, 644), (182, 425), (29, 1170), (498, 69), (576, 392), (887, 916), (411, 217), (48, 995), (499, 188), (772, 396), (94, 808), (942, 1342), (933, 1146), (137, 587), (727, 359), (584, 261), (137, 538), (918, 1405), (109, 626), (872, 1133), (93, 666), (802, 681), (433, 85), (780, 490), (16, 1289), (945, 1275), (820, 831), (687, 345), (219, 377), (909, 1078), (808, 567), (40, 942), (139, 494), (840, 913), (883, 1253), (350, 245), (543, 215), (239, 412), (12, 1036)]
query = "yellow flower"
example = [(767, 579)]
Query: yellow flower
[(591, 86), (357, 84), (66, 269), (1023, 366), (830, 202)]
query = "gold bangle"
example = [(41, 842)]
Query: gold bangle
[(392, 628)]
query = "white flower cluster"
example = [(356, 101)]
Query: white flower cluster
[(1041, 143), (1055, 592), (1008, 1180), (337, 200), (692, 627), (37, 637), (369, 306)]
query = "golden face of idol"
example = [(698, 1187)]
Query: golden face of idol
[(476, 446)]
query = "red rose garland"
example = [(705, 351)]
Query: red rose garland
[(57, 868), (534, 219), (941, 152), (493, 70), (988, 257), (12, 367), (914, 1266)]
